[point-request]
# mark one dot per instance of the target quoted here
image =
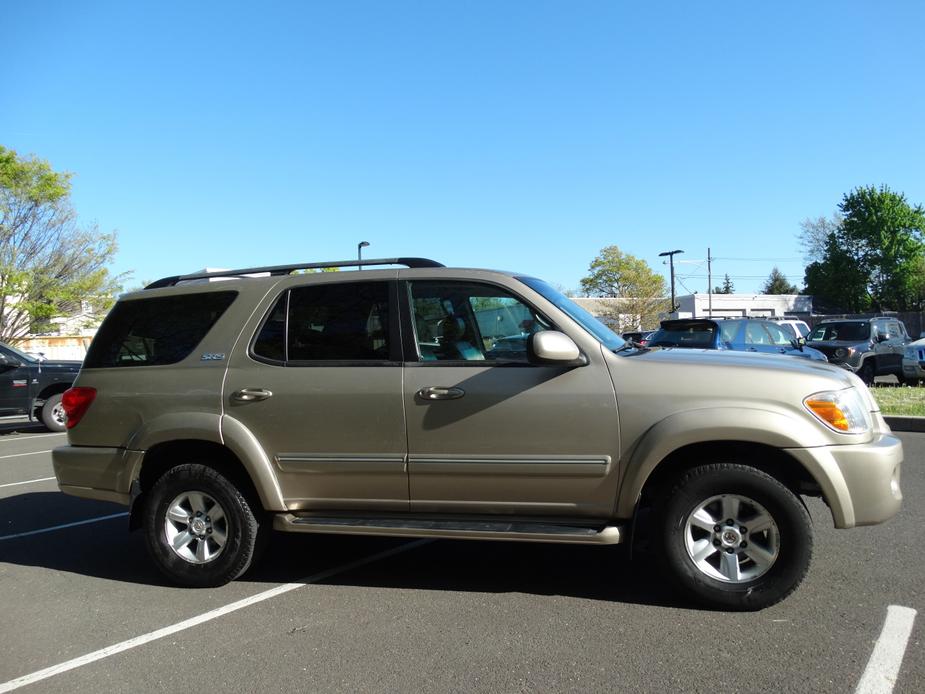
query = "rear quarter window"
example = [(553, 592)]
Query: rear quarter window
[(155, 331)]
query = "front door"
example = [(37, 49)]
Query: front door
[(15, 376), (320, 388), (490, 433)]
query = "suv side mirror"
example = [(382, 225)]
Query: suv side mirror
[(882, 338), (553, 347), (798, 343), (7, 363)]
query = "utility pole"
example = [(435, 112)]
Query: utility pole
[(671, 255), (709, 285)]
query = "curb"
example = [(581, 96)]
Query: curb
[(916, 424)]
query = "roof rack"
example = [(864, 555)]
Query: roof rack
[(289, 269)]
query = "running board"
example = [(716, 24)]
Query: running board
[(456, 529)]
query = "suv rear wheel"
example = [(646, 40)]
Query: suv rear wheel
[(200, 530), (734, 537)]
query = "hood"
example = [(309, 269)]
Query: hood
[(724, 366), (60, 365), (816, 344)]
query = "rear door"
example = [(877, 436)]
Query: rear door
[(490, 433), (319, 386)]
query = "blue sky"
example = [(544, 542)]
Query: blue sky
[(516, 135)]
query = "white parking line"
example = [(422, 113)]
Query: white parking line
[(200, 619), (34, 436), (883, 667), (13, 484), (17, 455), (61, 527)]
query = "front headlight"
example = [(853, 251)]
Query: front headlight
[(910, 353), (842, 411)]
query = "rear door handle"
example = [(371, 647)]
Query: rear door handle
[(251, 394), (440, 393)]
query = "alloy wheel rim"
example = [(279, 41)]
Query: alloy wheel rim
[(731, 538), (195, 527)]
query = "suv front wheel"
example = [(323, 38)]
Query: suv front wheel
[(734, 537), (200, 530)]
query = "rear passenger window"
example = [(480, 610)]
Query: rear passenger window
[(156, 331), (328, 322)]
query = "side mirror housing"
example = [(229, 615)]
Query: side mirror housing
[(798, 343), (7, 363), (554, 348), (882, 338)]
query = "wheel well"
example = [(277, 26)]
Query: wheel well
[(52, 389), (773, 461), (163, 456)]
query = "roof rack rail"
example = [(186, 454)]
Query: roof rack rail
[(289, 269)]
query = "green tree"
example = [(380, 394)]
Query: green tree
[(618, 275), (727, 288), (873, 259), (48, 262), (777, 284)]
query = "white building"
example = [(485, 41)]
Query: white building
[(743, 305)]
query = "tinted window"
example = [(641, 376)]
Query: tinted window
[(457, 321), (328, 322), (151, 332), (850, 331), (695, 334)]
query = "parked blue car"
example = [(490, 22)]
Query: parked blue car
[(741, 334)]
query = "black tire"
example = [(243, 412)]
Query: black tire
[(52, 414), (243, 525), (791, 537), (867, 372)]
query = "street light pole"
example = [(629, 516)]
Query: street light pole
[(671, 255), (360, 246)]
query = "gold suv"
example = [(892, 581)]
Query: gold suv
[(425, 401)]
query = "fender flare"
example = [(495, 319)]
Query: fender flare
[(709, 425), (214, 428)]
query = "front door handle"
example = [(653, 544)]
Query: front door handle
[(251, 394), (440, 393)]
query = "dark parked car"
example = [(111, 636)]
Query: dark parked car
[(640, 337), (34, 386), (744, 335), (868, 346)]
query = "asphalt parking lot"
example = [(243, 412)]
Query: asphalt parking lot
[(359, 614)]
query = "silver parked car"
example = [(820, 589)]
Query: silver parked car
[(438, 402)]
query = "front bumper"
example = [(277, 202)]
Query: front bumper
[(94, 472), (860, 482), (913, 369)]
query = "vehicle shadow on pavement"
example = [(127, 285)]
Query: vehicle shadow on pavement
[(105, 549), (22, 427), (594, 573)]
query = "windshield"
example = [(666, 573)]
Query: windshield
[(697, 335), (607, 337), (848, 331), (21, 355)]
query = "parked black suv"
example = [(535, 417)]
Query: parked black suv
[(868, 346), (34, 386)]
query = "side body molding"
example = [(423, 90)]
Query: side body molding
[(710, 425)]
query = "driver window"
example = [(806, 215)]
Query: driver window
[(457, 321), (755, 334), (778, 336)]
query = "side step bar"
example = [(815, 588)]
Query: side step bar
[(456, 529)]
